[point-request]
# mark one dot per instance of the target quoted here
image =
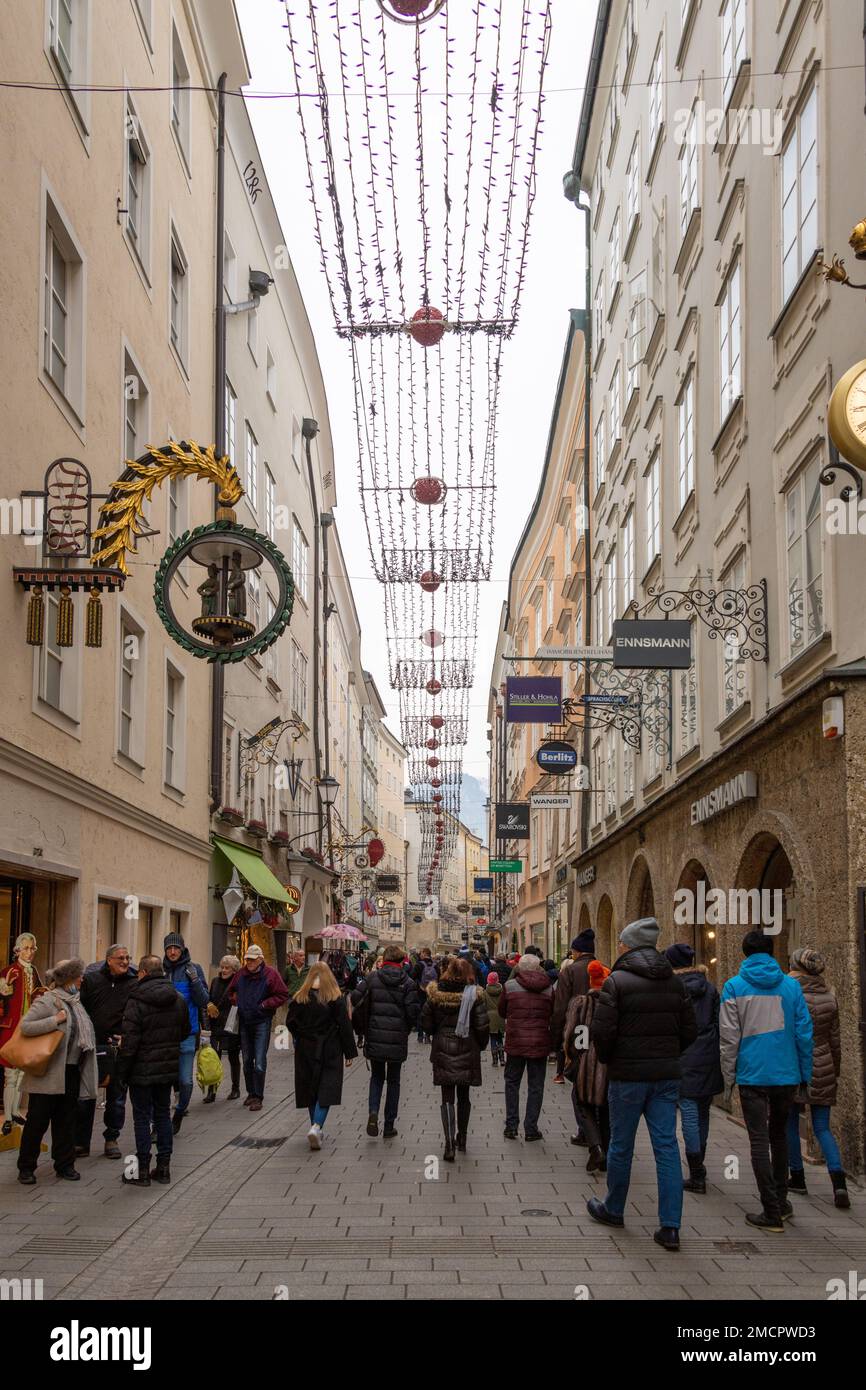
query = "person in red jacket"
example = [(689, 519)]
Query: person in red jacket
[(258, 990), (526, 1004)]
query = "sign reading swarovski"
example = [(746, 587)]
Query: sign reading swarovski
[(512, 820), (739, 788), (658, 642)]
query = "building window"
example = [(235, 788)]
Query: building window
[(610, 778), (615, 257), (177, 508), (615, 406), (254, 591), (632, 187), (135, 410), (253, 334), (131, 690), (800, 194), (228, 765), (230, 269), (61, 37), (179, 298), (733, 44), (628, 574), (636, 346), (610, 591), (598, 611), (597, 790), (174, 728), (58, 666), (656, 99), (600, 457), (137, 187), (179, 95), (300, 562), (231, 424), (55, 325), (735, 678), (271, 662), (598, 314), (271, 377), (686, 439), (251, 470), (687, 702), (549, 603), (627, 772), (729, 343), (63, 310), (805, 586), (653, 510), (299, 681), (689, 174), (270, 503)]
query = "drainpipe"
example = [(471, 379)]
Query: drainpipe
[(309, 430), (218, 669), (326, 520)]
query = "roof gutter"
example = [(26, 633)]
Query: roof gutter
[(599, 38)]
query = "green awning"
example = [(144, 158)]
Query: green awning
[(253, 868)]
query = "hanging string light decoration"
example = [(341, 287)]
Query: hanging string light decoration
[(422, 215)]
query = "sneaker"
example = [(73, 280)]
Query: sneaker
[(559, 1080), (599, 1212), (111, 1149), (27, 1177), (314, 1135), (177, 1121), (533, 1138), (68, 1174), (372, 1124), (81, 1151), (668, 1237), (765, 1222), (510, 1133)]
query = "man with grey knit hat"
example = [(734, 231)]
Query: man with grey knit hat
[(643, 1022)]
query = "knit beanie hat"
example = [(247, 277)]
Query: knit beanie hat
[(597, 973), (643, 932), (806, 958), (584, 941), (530, 962), (681, 955), (174, 938), (493, 978)]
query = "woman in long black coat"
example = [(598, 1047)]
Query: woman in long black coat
[(701, 1067), (318, 1020), (456, 1060)]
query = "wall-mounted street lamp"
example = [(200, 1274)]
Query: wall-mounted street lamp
[(328, 789), (260, 282)]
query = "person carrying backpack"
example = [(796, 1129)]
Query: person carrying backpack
[(424, 974), (390, 999)]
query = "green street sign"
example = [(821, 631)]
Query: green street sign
[(506, 866)]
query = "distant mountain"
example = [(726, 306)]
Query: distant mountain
[(473, 794)]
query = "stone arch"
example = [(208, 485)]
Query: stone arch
[(313, 920), (640, 896), (584, 921), (606, 943), (765, 866), (696, 932)]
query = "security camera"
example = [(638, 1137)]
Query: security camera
[(260, 282)]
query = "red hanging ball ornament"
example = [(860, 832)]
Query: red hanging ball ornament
[(430, 581), (435, 721), (431, 638), (428, 491), (427, 326), (435, 781), (410, 8), (432, 743), (432, 762), (433, 687)]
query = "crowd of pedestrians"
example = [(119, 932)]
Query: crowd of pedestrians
[(647, 1038)]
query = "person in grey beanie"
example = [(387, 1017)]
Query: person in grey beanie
[(643, 1022)]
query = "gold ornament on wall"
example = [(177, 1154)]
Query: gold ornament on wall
[(36, 617), (846, 415)]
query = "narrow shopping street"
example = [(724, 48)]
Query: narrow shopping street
[(253, 1214)]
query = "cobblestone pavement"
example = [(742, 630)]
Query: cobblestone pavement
[(253, 1214)]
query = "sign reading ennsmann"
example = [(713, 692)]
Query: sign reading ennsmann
[(661, 643), (730, 793)]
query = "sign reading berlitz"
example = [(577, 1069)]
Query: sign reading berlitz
[(721, 798), (533, 699), (661, 643), (512, 820)]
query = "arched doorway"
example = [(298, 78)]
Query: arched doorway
[(606, 943), (639, 898), (765, 870), (584, 921), (313, 921), (700, 935)]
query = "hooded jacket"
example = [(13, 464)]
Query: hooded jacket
[(526, 1004), (702, 1072), (193, 989), (826, 1040), (765, 1027), (456, 1061), (104, 997), (257, 993), (394, 1007), (644, 1018), (155, 1023), (492, 996)]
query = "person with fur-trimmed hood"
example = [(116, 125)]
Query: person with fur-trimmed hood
[(526, 1004), (701, 1068), (587, 1072), (807, 966), (455, 1017)]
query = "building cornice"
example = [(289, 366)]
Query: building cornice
[(30, 768)]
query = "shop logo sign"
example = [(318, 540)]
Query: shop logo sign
[(533, 700), (512, 820), (660, 643)]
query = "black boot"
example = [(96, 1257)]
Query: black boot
[(464, 1108), (840, 1191), (596, 1159), (447, 1113), (143, 1179), (697, 1179), (211, 1095), (162, 1172), (797, 1181)]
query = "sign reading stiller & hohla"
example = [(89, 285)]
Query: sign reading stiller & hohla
[(661, 643), (533, 699)]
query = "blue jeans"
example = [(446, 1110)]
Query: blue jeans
[(151, 1105), (821, 1125), (695, 1120), (187, 1064), (378, 1071), (255, 1038), (656, 1101), (318, 1114), (114, 1115)]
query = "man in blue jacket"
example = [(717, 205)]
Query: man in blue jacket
[(189, 981), (766, 1049)]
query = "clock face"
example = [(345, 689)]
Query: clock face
[(846, 415), (855, 405)]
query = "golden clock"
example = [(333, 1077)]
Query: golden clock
[(846, 416)]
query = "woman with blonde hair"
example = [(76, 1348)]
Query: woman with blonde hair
[(318, 1020)]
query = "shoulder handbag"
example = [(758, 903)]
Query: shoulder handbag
[(31, 1055)]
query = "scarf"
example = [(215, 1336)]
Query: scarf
[(462, 1029), (72, 1002)]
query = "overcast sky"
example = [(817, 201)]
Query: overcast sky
[(553, 285)]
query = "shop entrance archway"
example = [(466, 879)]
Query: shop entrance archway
[(765, 866), (606, 943), (639, 898), (700, 935)]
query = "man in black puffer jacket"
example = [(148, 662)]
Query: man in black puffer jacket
[(155, 1023), (104, 992), (394, 1005), (643, 1022)]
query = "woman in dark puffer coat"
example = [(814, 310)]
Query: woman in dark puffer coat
[(701, 1065), (456, 1059), (808, 967)]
